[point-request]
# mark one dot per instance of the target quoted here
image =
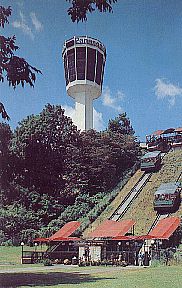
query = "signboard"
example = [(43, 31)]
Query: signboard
[(163, 202), (90, 41)]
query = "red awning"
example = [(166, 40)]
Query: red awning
[(144, 237), (66, 231), (66, 239), (165, 228), (125, 238), (110, 229), (41, 240)]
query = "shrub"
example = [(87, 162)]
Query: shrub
[(47, 262)]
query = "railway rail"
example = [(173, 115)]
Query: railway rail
[(130, 197), (157, 219)]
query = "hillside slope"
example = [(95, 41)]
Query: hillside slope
[(115, 203), (142, 209)]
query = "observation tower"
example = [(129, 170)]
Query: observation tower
[(84, 60)]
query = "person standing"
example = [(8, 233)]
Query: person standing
[(140, 259)]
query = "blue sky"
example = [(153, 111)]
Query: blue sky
[(143, 72)]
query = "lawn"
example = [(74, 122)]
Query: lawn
[(11, 256), (90, 277), (85, 277)]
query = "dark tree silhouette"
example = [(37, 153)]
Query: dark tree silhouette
[(14, 69), (79, 9), (121, 124)]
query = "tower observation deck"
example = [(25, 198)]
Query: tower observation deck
[(84, 60)]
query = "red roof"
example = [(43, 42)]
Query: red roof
[(179, 129), (169, 130), (165, 228), (110, 228), (63, 234), (158, 132), (66, 230)]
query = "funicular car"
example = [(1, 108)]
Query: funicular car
[(167, 197), (151, 161)]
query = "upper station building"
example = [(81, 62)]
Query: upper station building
[(84, 60)]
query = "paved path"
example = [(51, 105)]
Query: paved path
[(68, 268)]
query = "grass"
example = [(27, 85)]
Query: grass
[(11, 256), (167, 277), (84, 277)]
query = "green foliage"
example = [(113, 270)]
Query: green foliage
[(47, 262), (121, 124), (55, 174), (80, 8), (14, 218), (27, 235), (42, 142), (3, 237), (5, 155)]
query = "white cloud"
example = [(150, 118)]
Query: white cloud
[(97, 117), (23, 26), (20, 3), (166, 90), (69, 111), (98, 120), (37, 24), (112, 102)]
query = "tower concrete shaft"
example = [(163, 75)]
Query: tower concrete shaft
[(84, 111)]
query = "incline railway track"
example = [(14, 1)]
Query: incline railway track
[(180, 175), (130, 197), (157, 219)]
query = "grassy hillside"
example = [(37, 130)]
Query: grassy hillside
[(115, 203), (142, 209)]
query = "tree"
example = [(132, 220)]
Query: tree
[(5, 155), (80, 8), (56, 159), (59, 173), (42, 142), (121, 124), (15, 218), (14, 69)]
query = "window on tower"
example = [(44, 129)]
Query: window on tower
[(71, 64), (102, 73), (69, 43), (66, 69), (99, 69), (80, 62), (91, 59)]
